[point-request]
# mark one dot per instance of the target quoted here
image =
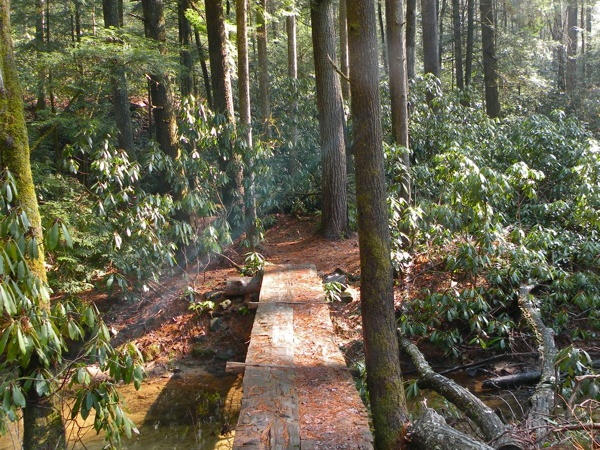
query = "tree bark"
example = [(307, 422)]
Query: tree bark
[(430, 431), (230, 162), (490, 63), (40, 23), (120, 95), (411, 34), (470, 41), (394, 13), (344, 49), (293, 76), (204, 67), (431, 57), (542, 401), (384, 57), (263, 68), (160, 88), (571, 48), (246, 119), (384, 378), (334, 220), (186, 77), (43, 425), (458, 58), (493, 429)]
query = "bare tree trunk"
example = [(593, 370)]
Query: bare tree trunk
[(441, 13), (331, 122), (186, 77), (233, 193), (120, 93), (493, 429), (458, 57), (431, 57), (344, 49), (204, 67), (293, 75), (571, 48), (411, 34), (263, 68), (542, 401), (40, 23), (160, 88), (470, 41), (246, 119), (431, 431), (490, 63), (384, 57), (398, 82), (384, 378)]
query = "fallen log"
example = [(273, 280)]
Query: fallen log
[(514, 380), (493, 429), (431, 431), (242, 286), (542, 400)]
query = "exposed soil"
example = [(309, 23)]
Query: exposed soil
[(169, 334)]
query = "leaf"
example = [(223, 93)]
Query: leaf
[(21, 341), (67, 236), (52, 237), (18, 397)]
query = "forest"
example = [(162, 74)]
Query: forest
[(457, 141)]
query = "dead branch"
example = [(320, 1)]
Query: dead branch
[(493, 429), (577, 426), (484, 361), (542, 400), (516, 379), (431, 431)]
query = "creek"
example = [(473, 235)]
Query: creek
[(194, 408)]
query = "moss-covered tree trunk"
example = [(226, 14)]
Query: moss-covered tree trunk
[(490, 61), (384, 378), (44, 428)]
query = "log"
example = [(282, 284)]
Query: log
[(492, 427), (542, 400), (431, 432), (514, 380), (242, 286)]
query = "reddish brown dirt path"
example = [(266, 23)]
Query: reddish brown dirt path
[(167, 332)]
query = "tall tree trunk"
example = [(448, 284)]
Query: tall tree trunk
[(331, 122), (293, 76), (42, 419), (344, 49), (217, 52), (458, 58), (384, 57), (186, 78), (233, 193), (588, 45), (431, 57), (121, 12), (40, 24), (571, 47), (77, 7), (160, 87), (120, 95), (490, 63), (470, 41), (263, 67), (394, 13), (204, 67), (411, 37), (441, 12), (245, 118), (384, 378)]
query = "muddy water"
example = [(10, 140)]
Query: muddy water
[(191, 409)]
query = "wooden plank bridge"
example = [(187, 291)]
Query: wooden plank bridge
[(298, 392)]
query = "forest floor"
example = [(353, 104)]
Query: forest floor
[(168, 333)]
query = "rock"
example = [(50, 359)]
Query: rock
[(200, 338), (349, 295), (216, 324)]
